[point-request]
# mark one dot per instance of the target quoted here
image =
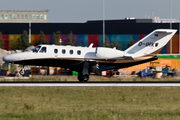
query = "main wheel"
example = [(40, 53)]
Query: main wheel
[(80, 78), (83, 78)]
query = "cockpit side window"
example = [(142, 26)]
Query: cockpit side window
[(43, 50), (36, 49)]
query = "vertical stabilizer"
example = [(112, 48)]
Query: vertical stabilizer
[(151, 44)]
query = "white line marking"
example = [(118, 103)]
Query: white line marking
[(92, 84)]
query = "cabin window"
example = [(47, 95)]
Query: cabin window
[(43, 50), (63, 51), (78, 52), (55, 50), (71, 51), (36, 49)]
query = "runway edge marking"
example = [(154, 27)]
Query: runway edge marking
[(92, 84)]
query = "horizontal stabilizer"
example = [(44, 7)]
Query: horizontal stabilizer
[(163, 31)]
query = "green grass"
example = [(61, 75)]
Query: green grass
[(87, 103)]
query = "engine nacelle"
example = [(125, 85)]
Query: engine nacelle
[(108, 53)]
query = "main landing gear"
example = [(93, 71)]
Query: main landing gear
[(86, 68), (83, 75)]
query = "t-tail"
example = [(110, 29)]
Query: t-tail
[(150, 45)]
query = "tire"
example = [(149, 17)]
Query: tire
[(83, 78), (80, 78), (22, 71)]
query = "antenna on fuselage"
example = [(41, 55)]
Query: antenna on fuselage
[(91, 45)]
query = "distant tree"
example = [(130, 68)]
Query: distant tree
[(13, 45), (56, 38), (71, 39), (107, 42), (115, 44), (112, 45), (42, 39), (132, 42), (23, 42), (1, 41)]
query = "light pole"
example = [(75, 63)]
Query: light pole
[(152, 14), (170, 24), (103, 24), (29, 31)]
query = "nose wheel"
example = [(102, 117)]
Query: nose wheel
[(83, 78), (22, 71)]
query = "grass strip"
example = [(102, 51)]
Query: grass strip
[(89, 103)]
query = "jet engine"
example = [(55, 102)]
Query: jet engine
[(108, 53)]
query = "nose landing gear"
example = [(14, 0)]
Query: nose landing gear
[(22, 71)]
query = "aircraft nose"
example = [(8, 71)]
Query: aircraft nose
[(14, 57), (4, 58)]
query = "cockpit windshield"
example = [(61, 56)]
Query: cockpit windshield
[(43, 50), (36, 49)]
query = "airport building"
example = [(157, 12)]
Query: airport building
[(24, 16), (122, 31)]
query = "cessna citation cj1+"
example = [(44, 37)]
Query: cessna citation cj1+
[(85, 60)]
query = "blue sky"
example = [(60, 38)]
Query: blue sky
[(78, 11)]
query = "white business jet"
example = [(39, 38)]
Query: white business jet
[(85, 60)]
